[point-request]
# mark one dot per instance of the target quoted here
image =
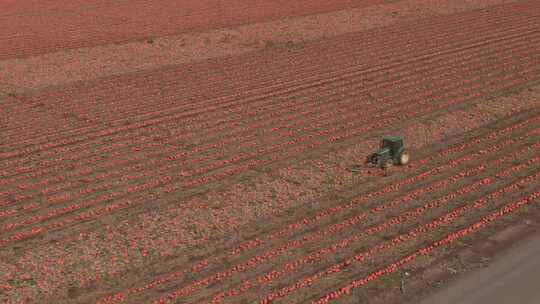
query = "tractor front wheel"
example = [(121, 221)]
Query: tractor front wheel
[(386, 163), (404, 158)]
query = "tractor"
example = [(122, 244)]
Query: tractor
[(391, 151)]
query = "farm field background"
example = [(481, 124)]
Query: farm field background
[(198, 152)]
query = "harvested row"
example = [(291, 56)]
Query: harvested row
[(154, 144), (78, 131), (185, 264), (85, 116), (23, 183), (166, 181), (247, 132), (337, 211), (224, 80), (266, 275), (337, 47)]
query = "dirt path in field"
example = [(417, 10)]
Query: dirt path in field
[(88, 63), (511, 277)]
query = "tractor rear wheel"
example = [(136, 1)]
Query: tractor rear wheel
[(369, 159), (373, 159), (404, 158)]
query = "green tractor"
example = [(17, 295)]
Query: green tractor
[(391, 151)]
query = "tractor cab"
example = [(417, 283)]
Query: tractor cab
[(391, 151), (392, 145)]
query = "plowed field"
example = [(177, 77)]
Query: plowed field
[(226, 181), (38, 27)]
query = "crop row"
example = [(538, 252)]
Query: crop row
[(231, 138), (118, 106), (79, 131), (369, 39), (217, 165), (406, 197), (351, 131), (294, 266), (65, 197), (41, 183), (509, 208), (372, 38), (99, 199)]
